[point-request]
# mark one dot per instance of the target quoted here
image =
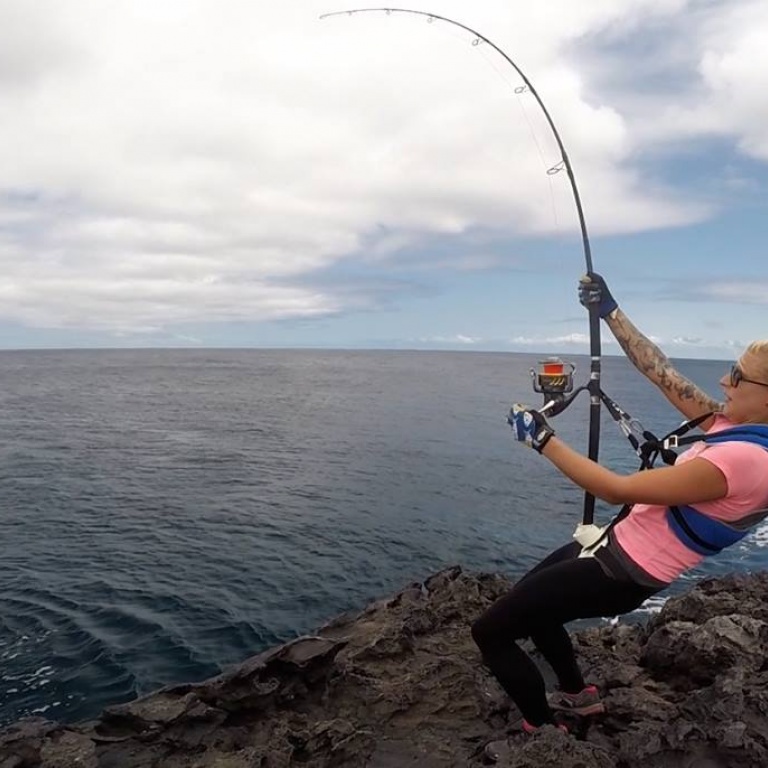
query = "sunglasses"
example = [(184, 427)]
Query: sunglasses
[(737, 376)]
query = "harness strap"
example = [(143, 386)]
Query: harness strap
[(701, 533), (654, 446), (752, 433), (697, 531)]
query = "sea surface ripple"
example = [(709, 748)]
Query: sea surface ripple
[(166, 513)]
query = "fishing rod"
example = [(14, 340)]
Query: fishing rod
[(553, 384)]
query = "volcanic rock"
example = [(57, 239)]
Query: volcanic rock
[(401, 684)]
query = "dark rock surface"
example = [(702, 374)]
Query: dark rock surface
[(400, 684)]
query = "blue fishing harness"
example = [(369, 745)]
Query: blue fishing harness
[(699, 532)]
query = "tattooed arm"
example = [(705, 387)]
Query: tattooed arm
[(655, 366)]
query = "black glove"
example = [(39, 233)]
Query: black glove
[(593, 290), (529, 426)]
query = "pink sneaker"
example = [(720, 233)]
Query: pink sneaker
[(531, 729), (586, 702)]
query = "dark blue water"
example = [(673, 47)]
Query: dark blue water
[(167, 513)]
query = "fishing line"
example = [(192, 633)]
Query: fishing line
[(519, 91), (593, 385), (547, 168)]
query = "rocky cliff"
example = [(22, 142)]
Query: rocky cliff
[(401, 684)]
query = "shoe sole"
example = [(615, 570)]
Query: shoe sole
[(590, 709), (596, 708)]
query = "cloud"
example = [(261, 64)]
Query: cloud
[(570, 339), (734, 67), (34, 44), (457, 339), (697, 70), (735, 291), (212, 162), (582, 340)]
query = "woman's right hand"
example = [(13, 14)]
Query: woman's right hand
[(684, 395), (594, 290)]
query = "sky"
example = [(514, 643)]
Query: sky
[(232, 173)]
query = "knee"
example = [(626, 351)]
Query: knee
[(499, 626), (484, 633)]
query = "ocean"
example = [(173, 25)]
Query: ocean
[(167, 513)]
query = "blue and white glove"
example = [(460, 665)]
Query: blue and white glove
[(529, 426), (593, 290)]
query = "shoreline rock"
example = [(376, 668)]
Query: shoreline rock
[(401, 684)]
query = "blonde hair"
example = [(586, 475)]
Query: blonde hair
[(760, 350), (758, 347)]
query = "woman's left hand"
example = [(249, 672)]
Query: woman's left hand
[(529, 426)]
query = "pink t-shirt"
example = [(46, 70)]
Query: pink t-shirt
[(645, 535)]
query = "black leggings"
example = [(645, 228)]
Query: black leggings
[(561, 588)]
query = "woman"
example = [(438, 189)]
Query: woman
[(726, 482)]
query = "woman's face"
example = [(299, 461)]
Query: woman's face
[(747, 402)]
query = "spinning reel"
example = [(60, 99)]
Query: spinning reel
[(553, 378)]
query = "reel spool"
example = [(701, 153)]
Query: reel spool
[(553, 378)]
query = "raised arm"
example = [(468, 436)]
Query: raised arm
[(684, 395)]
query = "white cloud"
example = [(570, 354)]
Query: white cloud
[(167, 163), (582, 340), (457, 339), (708, 65), (738, 292), (734, 67), (569, 339)]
